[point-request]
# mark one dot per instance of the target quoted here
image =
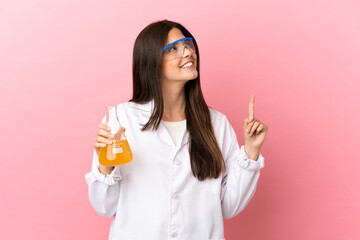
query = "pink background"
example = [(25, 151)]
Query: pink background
[(62, 62)]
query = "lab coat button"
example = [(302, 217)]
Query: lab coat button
[(178, 162), (245, 158), (174, 196), (173, 234)]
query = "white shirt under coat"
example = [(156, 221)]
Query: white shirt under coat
[(156, 196)]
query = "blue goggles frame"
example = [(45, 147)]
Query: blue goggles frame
[(181, 39)]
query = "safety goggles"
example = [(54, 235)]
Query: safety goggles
[(176, 49)]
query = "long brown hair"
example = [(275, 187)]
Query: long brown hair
[(206, 158)]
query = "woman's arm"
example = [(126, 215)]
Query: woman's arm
[(104, 189), (241, 176)]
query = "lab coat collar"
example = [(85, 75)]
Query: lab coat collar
[(144, 112)]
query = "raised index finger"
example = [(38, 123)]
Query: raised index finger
[(251, 107)]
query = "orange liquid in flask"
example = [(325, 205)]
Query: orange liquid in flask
[(117, 153)]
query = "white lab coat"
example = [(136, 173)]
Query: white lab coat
[(156, 196)]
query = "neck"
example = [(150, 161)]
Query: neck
[(174, 101)]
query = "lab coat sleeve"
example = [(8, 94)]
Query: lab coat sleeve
[(104, 190), (241, 176)]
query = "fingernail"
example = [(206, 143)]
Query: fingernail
[(111, 135), (108, 128), (251, 117)]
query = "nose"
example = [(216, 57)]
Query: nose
[(187, 52)]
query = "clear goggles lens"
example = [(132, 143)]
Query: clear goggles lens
[(177, 48)]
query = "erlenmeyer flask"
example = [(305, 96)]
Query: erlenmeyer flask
[(119, 151)]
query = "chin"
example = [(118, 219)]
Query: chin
[(187, 76), (192, 75), (195, 75)]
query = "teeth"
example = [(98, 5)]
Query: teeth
[(187, 65)]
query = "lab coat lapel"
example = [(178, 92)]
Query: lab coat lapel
[(161, 132), (186, 138), (164, 135)]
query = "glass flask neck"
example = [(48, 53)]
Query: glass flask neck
[(112, 119)]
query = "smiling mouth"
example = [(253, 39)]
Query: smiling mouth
[(187, 65)]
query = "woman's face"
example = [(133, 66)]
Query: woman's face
[(171, 69)]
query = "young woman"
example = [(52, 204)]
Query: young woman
[(188, 171)]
